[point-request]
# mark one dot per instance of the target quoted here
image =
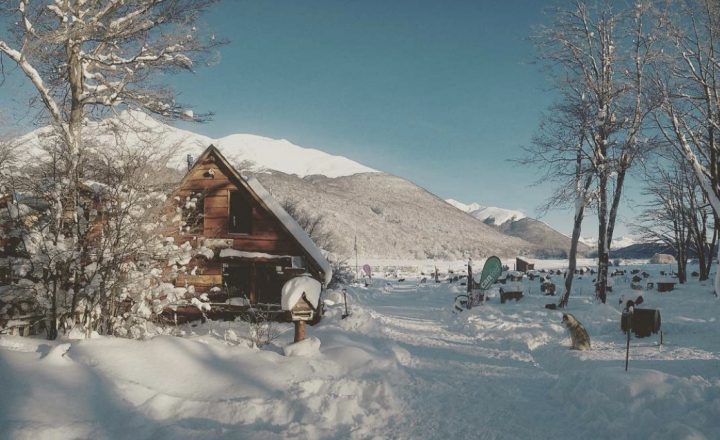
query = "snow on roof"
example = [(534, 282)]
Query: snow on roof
[(294, 289), (293, 227), (225, 253)]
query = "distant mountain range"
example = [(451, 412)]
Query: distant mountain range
[(391, 217), (550, 242)]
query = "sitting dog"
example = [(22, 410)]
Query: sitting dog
[(578, 334)]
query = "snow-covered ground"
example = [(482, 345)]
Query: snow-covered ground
[(402, 365)]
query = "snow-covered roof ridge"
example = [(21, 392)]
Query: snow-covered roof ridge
[(292, 227)]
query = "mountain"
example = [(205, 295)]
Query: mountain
[(642, 251), (617, 243), (488, 214), (391, 217), (550, 242)]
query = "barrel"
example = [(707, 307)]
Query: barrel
[(643, 323)]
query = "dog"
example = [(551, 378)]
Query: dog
[(578, 334)]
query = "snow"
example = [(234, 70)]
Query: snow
[(617, 243), (488, 214), (308, 347), (282, 155), (294, 289), (402, 365), (229, 253)]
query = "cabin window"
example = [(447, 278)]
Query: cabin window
[(240, 213), (193, 213), (5, 275)]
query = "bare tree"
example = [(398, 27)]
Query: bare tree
[(85, 60), (688, 78), (665, 218), (312, 224), (598, 59)]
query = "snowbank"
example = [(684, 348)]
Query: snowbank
[(308, 347)]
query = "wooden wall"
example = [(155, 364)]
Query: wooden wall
[(268, 234)]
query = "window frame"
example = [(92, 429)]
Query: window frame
[(250, 211)]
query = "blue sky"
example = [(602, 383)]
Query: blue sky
[(440, 93)]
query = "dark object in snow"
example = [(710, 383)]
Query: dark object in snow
[(504, 296), (635, 271), (665, 286), (695, 274), (400, 280), (578, 335), (642, 322), (522, 265), (636, 279), (608, 288), (645, 275), (346, 314), (551, 306), (548, 288)]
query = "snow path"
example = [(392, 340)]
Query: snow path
[(447, 395), (505, 371)]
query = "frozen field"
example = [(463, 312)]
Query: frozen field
[(403, 365)]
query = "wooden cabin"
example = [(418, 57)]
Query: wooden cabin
[(522, 265), (248, 245)]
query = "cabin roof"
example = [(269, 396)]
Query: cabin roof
[(262, 195)]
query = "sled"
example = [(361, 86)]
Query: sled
[(477, 290)]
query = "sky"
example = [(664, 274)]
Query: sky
[(444, 94)]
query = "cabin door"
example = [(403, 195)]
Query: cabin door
[(269, 284), (238, 280)]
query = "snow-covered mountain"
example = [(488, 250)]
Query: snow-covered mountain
[(488, 214), (550, 242), (617, 243), (392, 217), (255, 153)]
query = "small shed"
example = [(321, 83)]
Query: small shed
[(522, 265)]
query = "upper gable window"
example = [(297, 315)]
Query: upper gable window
[(240, 213), (193, 213)]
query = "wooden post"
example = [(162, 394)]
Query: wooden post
[(299, 331), (627, 350)]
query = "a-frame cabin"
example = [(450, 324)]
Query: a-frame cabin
[(256, 245)]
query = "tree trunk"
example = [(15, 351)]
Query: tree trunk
[(580, 203), (603, 248)]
